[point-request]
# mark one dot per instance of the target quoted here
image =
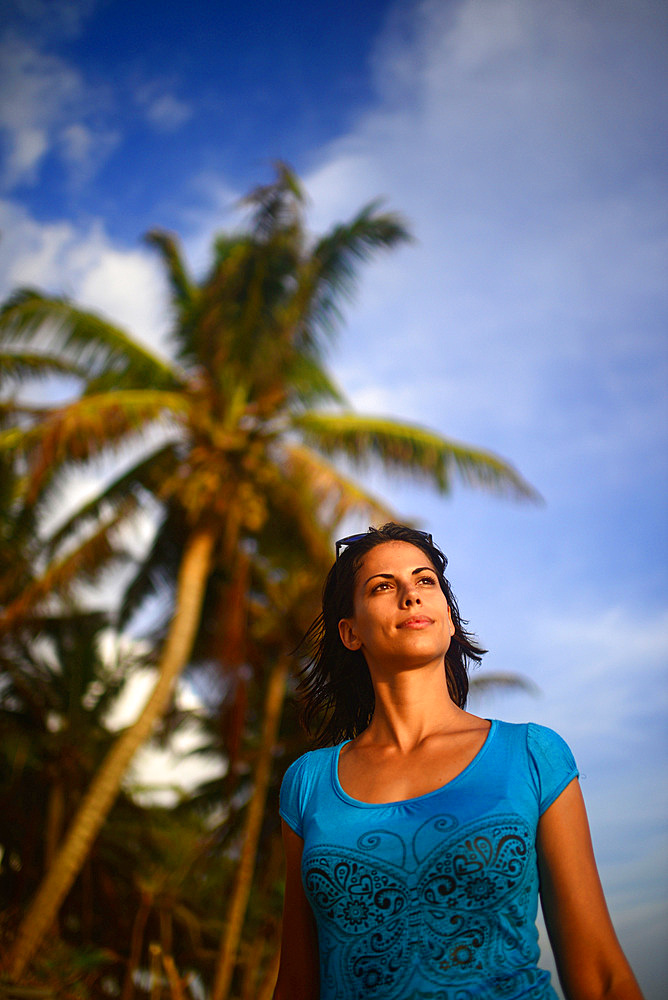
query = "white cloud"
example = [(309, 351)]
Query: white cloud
[(126, 285), (53, 18), (77, 143), (163, 109), (216, 209), (43, 105), (30, 145), (34, 91), (83, 149), (520, 141), (168, 113)]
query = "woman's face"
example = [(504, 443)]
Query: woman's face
[(400, 614)]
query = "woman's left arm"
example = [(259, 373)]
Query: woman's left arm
[(591, 963)]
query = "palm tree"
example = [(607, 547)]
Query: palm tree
[(230, 426), (58, 680), (285, 604)]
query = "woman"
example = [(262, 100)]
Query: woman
[(417, 836)]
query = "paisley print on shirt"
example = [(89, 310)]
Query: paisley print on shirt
[(378, 920)]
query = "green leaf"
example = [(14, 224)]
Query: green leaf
[(81, 338), (23, 366), (410, 449)]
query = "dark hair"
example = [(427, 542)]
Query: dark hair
[(337, 696)]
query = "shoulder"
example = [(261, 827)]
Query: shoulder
[(299, 782), (548, 749), (547, 757), (310, 763), (300, 771), (552, 763), (539, 740)]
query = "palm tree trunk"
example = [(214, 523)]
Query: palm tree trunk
[(136, 943), (155, 966), (55, 815), (55, 821), (97, 802), (252, 961), (173, 978), (273, 709), (268, 984)]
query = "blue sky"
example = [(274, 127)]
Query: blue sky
[(525, 143)]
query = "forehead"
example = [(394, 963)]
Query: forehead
[(392, 557)]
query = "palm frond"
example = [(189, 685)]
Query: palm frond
[(306, 500), (309, 382), (90, 426), (23, 366), (159, 567), (14, 414), (82, 338), (210, 335), (334, 494), (84, 563), (501, 680), (148, 474), (406, 448), (275, 206), (183, 289), (333, 267), (295, 381)]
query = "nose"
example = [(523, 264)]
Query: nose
[(410, 597)]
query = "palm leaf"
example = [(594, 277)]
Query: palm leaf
[(84, 563), (89, 427), (337, 256), (13, 413), (306, 500), (183, 289), (328, 274), (148, 474), (82, 338), (209, 337), (500, 680), (333, 493), (276, 206), (22, 366), (293, 381), (406, 448), (158, 569)]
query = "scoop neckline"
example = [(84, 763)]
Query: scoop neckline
[(340, 791)]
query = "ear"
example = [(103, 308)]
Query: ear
[(348, 635), (452, 624)]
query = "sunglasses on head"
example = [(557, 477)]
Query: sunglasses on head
[(343, 543)]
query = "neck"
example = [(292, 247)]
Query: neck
[(411, 706)]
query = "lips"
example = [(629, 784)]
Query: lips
[(416, 621)]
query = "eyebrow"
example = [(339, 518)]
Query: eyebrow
[(390, 576)]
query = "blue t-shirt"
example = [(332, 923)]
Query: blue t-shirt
[(435, 897)]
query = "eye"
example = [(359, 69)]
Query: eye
[(428, 579), (383, 585)]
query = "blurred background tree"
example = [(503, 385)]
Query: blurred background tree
[(231, 440)]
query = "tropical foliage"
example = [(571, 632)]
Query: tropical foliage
[(231, 442)]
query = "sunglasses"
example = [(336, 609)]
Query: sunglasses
[(343, 543)]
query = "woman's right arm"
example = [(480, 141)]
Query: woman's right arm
[(298, 973)]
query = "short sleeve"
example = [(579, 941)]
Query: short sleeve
[(553, 765), (293, 794)]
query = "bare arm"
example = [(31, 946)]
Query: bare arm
[(589, 957), (298, 973)]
